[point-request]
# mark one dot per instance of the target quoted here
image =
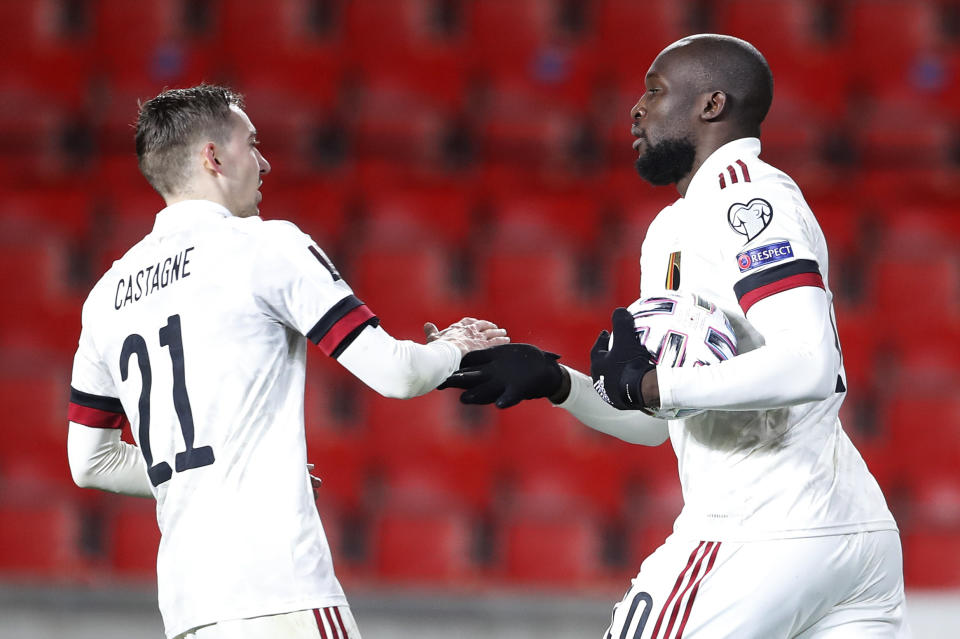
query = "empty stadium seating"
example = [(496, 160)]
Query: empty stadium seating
[(471, 158)]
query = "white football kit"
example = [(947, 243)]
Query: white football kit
[(768, 467), (196, 336)]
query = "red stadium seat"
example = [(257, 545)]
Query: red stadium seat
[(924, 430), (923, 291), (568, 216), (890, 44), (561, 550), (41, 537), (633, 33), (931, 559), (149, 40), (521, 284), (527, 44), (320, 209), (406, 286), (133, 539), (294, 40), (442, 213), (432, 547), (789, 35)]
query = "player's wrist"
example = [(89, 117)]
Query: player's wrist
[(562, 391)]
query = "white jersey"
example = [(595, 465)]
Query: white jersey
[(196, 336), (742, 233)]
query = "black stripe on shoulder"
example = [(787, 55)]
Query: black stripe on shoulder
[(774, 274), (108, 404), (352, 335), (331, 317)]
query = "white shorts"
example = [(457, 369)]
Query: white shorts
[(812, 588), (333, 622)]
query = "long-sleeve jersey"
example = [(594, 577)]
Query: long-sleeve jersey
[(197, 337), (770, 458)]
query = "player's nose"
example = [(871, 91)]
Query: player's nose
[(264, 165), (637, 111)]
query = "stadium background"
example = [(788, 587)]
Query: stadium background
[(472, 157)]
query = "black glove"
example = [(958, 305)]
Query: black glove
[(506, 375), (617, 372)]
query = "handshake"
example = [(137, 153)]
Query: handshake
[(507, 374)]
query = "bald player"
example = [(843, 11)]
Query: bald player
[(784, 532)]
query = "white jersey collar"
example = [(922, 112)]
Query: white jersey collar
[(707, 176), (188, 213)]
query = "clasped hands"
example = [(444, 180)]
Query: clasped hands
[(507, 374)]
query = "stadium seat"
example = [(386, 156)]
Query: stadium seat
[(149, 40), (319, 208), (923, 291), (41, 537), (792, 36), (433, 547), (518, 284), (48, 49), (923, 429), (559, 550), (909, 31), (133, 539), (389, 280), (923, 138), (631, 34), (442, 214), (931, 559), (64, 211)]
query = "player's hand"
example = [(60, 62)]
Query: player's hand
[(468, 334), (506, 375), (617, 371)]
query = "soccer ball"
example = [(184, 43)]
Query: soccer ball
[(682, 329)]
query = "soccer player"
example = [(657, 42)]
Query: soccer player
[(784, 532), (197, 338)]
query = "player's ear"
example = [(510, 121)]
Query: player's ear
[(714, 105), (210, 161)]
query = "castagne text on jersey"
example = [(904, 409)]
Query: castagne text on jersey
[(152, 278)]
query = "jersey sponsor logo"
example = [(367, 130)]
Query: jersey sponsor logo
[(762, 255), (751, 218)]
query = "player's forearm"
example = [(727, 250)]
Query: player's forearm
[(585, 404), (99, 459), (399, 368), (799, 362)]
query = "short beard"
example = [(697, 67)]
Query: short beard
[(667, 161)]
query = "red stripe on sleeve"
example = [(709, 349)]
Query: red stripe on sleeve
[(793, 281), (342, 328), (94, 417)]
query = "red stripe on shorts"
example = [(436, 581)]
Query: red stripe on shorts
[(693, 593), (323, 633), (343, 628), (333, 628), (693, 577), (676, 587)]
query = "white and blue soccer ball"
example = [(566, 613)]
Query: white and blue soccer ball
[(682, 329)]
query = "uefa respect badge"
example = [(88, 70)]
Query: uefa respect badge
[(763, 255)]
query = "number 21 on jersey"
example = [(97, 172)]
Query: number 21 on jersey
[(193, 457)]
